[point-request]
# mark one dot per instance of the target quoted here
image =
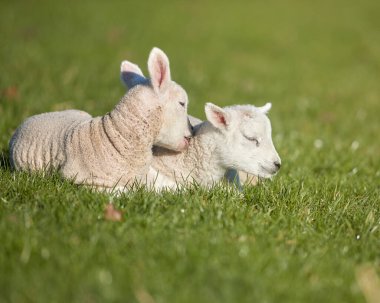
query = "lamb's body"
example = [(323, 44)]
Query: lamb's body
[(43, 135), (106, 151)]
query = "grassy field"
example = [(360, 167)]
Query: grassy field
[(310, 235)]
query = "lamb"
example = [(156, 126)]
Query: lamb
[(114, 150), (232, 176), (234, 138)]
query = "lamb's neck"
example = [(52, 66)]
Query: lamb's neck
[(209, 165), (132, 126), (201, 161)]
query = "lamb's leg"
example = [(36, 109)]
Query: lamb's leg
[(232, 177), (239, 178), (248, 179)]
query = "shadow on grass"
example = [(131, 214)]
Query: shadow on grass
[(4, 159)]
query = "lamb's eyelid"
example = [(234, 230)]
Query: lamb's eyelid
[(252, 138), (250, 135)]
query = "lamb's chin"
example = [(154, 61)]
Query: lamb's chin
[(264, 175), (183, 145)]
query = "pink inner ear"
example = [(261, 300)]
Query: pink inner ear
[(221, 119), (162, 72)]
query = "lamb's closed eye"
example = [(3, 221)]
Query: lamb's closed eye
[(253, 139)]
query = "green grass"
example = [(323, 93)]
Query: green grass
[(302, 237)]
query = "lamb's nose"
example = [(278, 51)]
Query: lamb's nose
[(277, 164), (188, 134)]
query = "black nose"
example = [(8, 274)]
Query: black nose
[(277, 164)]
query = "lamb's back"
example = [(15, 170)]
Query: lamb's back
[(38, 143)]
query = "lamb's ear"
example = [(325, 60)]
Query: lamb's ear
[(159, 70), (217, 116), (265, 109), (131, 74)]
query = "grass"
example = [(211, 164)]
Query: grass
[(303, 237)]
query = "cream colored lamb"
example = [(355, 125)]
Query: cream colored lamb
[(114, 150), (233, 138)]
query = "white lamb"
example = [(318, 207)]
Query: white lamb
[(234, 138), (114, 150), (232, 176)]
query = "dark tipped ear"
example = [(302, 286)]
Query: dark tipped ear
[(217, 116), (159, 69), (131, 74)]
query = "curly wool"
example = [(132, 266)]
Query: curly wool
[(108, 151)]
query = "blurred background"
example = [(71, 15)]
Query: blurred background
[(317, 62)]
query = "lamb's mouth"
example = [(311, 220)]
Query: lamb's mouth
[(270, 172)]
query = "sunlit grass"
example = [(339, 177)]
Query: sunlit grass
[(311, 234)]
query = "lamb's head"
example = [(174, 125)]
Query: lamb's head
[(244, 141), (161, 92)]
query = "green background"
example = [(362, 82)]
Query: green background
[(302, 237)]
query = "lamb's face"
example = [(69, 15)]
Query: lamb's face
[(255, 152), (162, 92), (175, 132), (246, 141)]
